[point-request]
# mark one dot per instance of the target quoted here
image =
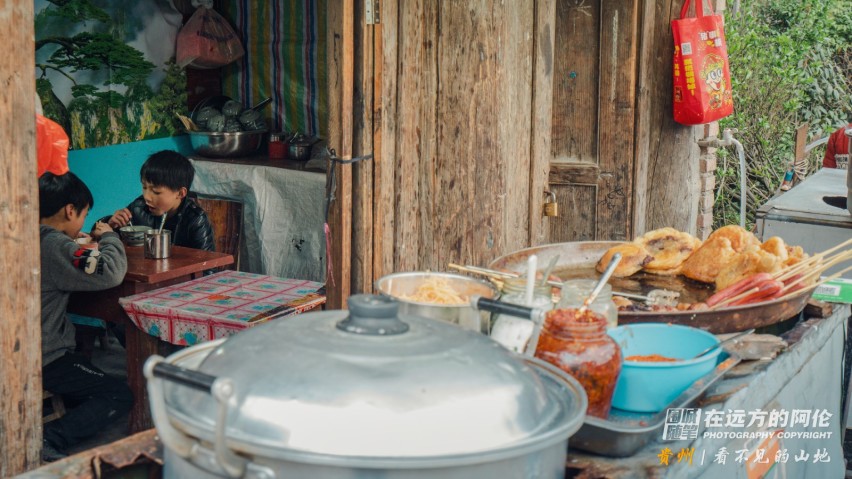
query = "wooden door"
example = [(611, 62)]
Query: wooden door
[(585, 104)]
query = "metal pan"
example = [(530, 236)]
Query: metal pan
[(577, 260)]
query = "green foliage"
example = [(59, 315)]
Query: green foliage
[(789, 65), (110, 98), (171, 99)]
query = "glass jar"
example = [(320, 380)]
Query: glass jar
[(575, 292), (580, 347), (512, 332)]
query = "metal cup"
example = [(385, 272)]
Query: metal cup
[(158, 245)]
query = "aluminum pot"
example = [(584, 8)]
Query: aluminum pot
[(399, 285), (362, 393)]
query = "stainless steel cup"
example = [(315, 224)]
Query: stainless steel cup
[(158, 245)]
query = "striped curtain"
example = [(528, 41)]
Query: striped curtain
[(285, 43)]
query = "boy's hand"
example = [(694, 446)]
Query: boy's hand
[(99, 229), (120, 218)]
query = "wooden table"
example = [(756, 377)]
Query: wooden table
[(143, 275)]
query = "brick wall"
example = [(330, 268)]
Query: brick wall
[(707, 177)]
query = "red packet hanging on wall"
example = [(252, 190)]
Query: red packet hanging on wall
[(702, 78)]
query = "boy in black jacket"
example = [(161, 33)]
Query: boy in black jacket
[(64, 201), (166, 178)]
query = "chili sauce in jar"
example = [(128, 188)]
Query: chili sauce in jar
[(578, 344)]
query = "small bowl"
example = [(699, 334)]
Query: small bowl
[(651, 386), (406, 284), (133, 235)]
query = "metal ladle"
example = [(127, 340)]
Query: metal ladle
[(613, 263), (719, 345)]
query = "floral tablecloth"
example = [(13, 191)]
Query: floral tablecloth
[(219, 305)]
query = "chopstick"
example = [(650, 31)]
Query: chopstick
[(495, 275)]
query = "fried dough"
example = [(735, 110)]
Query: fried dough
[(746, 264), (706, 262), (777, 247), (669, 249), (633, 258), (740, 239)]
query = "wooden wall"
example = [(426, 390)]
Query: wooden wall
[(20, 338), (667, 186), (474, 109), (455, 130)]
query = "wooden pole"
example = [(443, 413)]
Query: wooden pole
[(20, 338)]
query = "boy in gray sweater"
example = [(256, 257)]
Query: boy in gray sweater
[(64, 201)]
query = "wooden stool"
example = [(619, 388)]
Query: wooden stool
[(56, 404), (87, 331)]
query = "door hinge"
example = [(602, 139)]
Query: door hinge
[(371, 12)]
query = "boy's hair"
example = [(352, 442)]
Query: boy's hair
[(56, 191), (168, 168)]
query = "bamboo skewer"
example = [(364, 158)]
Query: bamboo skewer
[(810, 276), (813, 286), (785, 274), (495, 275), (823, 261)]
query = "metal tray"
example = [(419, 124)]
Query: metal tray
[(623, 432), (577, 260)]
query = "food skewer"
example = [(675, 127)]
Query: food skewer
[(810, 276), (500, 275), (818, 283), (789, 272)]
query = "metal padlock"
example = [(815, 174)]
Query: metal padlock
[(551, 208)]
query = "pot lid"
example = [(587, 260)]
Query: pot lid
[(371, 383)]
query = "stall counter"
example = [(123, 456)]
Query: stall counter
[(804, 380)]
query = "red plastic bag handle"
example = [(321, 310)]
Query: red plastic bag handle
[(699, 9)]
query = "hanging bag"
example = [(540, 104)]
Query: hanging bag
[(702, 77), (207, 41)]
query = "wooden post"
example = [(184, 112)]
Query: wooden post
[(20, 339), (341, 21)]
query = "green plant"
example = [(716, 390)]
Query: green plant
[(787, 67)]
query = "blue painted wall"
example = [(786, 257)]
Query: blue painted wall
[(112, 172)]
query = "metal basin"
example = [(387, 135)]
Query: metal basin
[(226, 144), (398, 285)]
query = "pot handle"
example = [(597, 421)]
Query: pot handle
[(156, 369), (501, 307)]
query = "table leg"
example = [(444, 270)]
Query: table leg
[(140, 346)]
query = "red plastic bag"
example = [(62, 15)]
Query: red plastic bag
[(207, 41), (51, 147), (702, 77)]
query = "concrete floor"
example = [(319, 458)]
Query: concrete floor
[(113, 361)]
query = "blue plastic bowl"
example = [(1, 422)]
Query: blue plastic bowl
[(651, 386)]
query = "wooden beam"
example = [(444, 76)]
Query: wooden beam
[(341, 64), (385, 37), (362, 134), (542, 116), (20, 304)]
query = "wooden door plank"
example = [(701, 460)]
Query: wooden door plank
[(670, 161), (417, 93), (617, 90), (644, 98), (384, 126), (575, 82), (340, 84), (542, 117), (362, 187), (484, 110), (20, 305)]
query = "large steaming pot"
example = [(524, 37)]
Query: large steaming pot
[(360, 394)]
